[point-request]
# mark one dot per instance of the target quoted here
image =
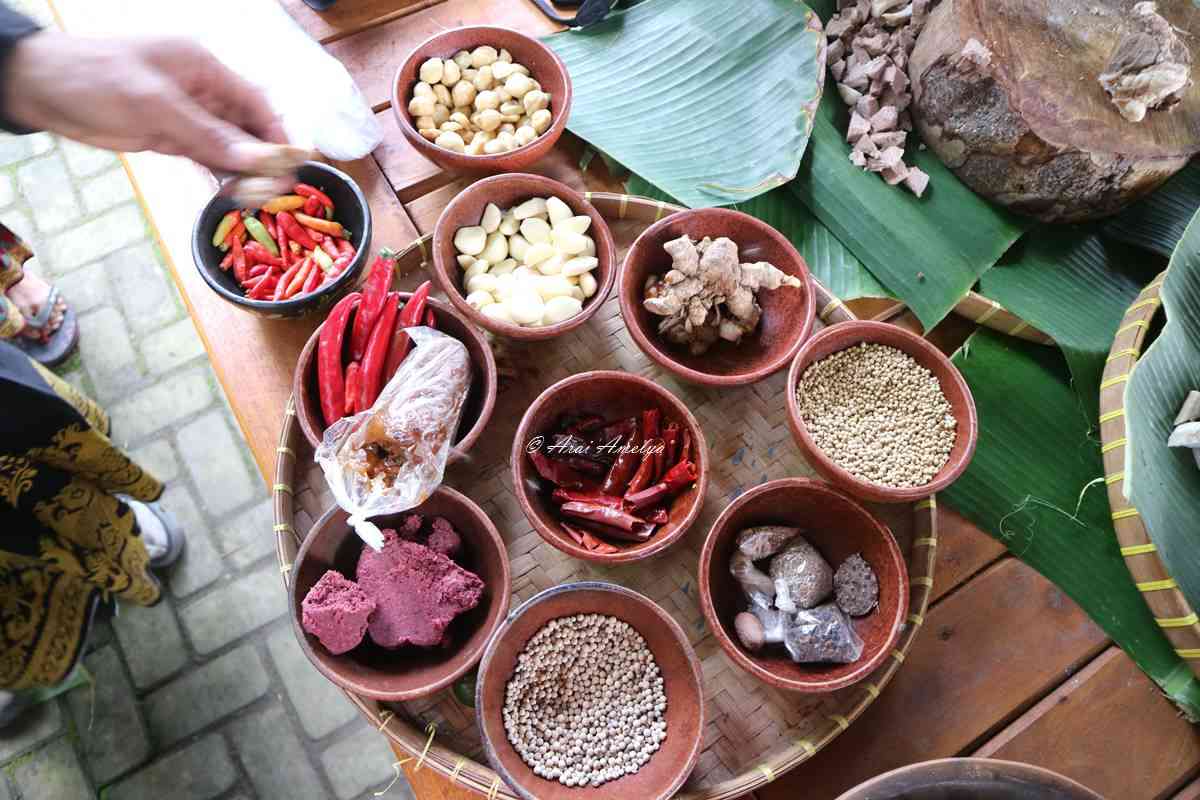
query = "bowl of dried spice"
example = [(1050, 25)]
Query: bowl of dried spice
[(881, 412), (590, 687), (802, 586)]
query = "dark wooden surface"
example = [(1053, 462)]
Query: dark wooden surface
[(1005, 665)]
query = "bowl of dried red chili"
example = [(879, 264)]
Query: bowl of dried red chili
[(609, 467), (360, 345), (292, 257)]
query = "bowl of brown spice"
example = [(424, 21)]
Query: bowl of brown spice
[(591, 687), (881, 412)]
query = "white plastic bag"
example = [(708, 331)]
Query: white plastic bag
[(318, 101), (391, 457)]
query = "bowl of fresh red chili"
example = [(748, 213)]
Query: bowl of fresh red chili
[(609, 466), (296, 254), (362, 343)]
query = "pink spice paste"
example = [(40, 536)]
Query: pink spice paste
[(336, 611)]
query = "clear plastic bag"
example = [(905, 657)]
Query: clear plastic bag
[(758, 588), (822, 634), (391, 457), (318, 101)]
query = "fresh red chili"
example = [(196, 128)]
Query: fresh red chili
[(345, 248), (298, 281), (325, 226), (294, 231), (331, 380), (678, 478), (268, 222), (329, 247), (377, 350), (260, 255), (556, 472), (313, 281), (353, 379), (307, 190), (265, 288), (239, 259), (285, 249), (414, 309), (430, 320), (227, 261), (286, 279), (375, 289), (312, 206), (258, 270)]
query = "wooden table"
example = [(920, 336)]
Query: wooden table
[(1006, 665)]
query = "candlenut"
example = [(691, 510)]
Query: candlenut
[(479, 102), (530, 265)]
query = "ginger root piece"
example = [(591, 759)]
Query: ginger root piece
[(708, 295), (1006, 92), (1150, 68)]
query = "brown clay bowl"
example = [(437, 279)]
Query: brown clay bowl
[(408, 672), (612, 395), (974, 778), (845, 334), (545, 67), (838, 527), (669, 767), (506, 191), (481, 397), (787, 314)]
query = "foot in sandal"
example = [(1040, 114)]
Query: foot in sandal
[(51, 330)]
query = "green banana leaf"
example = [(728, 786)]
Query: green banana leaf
[(711, 107), (1074, 285), (828, 260), (928, 252), (1164, 483), (1156, 222), (1035, 484)]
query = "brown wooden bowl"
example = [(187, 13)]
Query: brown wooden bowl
[(612, 395), (545, 67), (962, 403), (669, 767), (506, 191), (838, 527), (788, 314), (481, 396), (976, 778), (408, 672)]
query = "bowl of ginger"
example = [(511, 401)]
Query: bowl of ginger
[(716, 296)]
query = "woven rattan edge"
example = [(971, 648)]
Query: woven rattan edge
[(422, 747), (990, 314), (1165, 601)]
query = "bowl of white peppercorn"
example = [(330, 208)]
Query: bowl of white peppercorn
[(628, 719), (482, 99), (880, 412)]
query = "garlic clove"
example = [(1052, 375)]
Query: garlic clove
[(535, 230), (480, 299), (558, 211), (470, 240), (537, 253), (535, 206), (496, 249), (526, 306), (497, 311), (587, 282), (560, 309), (491, 218), (481, 283), (569, 242), (580, 265)]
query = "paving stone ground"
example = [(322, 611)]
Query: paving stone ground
[(205, 696)]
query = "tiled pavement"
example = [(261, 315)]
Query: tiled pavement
[(206, 695)]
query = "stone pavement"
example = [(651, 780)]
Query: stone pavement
[(207, 694)]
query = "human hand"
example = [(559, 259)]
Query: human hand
[(170, 95)]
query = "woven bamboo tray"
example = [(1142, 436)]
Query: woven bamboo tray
[(753, 733), (1168, 605)]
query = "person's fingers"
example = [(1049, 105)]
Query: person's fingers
[(184, 127)]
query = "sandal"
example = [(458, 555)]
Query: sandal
[(50, 348)]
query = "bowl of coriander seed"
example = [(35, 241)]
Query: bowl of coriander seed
[(590, 685), (881, 412)]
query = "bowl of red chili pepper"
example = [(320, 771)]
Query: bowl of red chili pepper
[(293, 256), (360, 345), (610, 467)]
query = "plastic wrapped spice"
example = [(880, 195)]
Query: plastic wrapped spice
[(822, 634), (801, 576), (773, 623), (758, 588), (391, 457), (763, 541)]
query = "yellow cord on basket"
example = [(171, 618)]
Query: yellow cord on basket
[(492, 792), (386, 717), (432, 728), (457, 769), (767, 772), (395, 766)]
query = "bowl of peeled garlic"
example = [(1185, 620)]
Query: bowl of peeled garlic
[(523, 256), (482, 99)]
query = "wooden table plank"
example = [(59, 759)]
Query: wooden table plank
[(374, 55), (962, 552), (1110, 695), (985, 652), (350, 16), (410, 173)]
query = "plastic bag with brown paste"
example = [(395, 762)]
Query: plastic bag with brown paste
[(391, 457)]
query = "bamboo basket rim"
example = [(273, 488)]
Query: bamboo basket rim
[(1166, 602), (422, 746)]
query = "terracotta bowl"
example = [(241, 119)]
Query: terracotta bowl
[(787, 318), (975, 778), (669, 767), (545, 67), (481, 397), (844, 334), (612, 395), (352, 211), (408, 672), (506, 191), (838, 527)]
